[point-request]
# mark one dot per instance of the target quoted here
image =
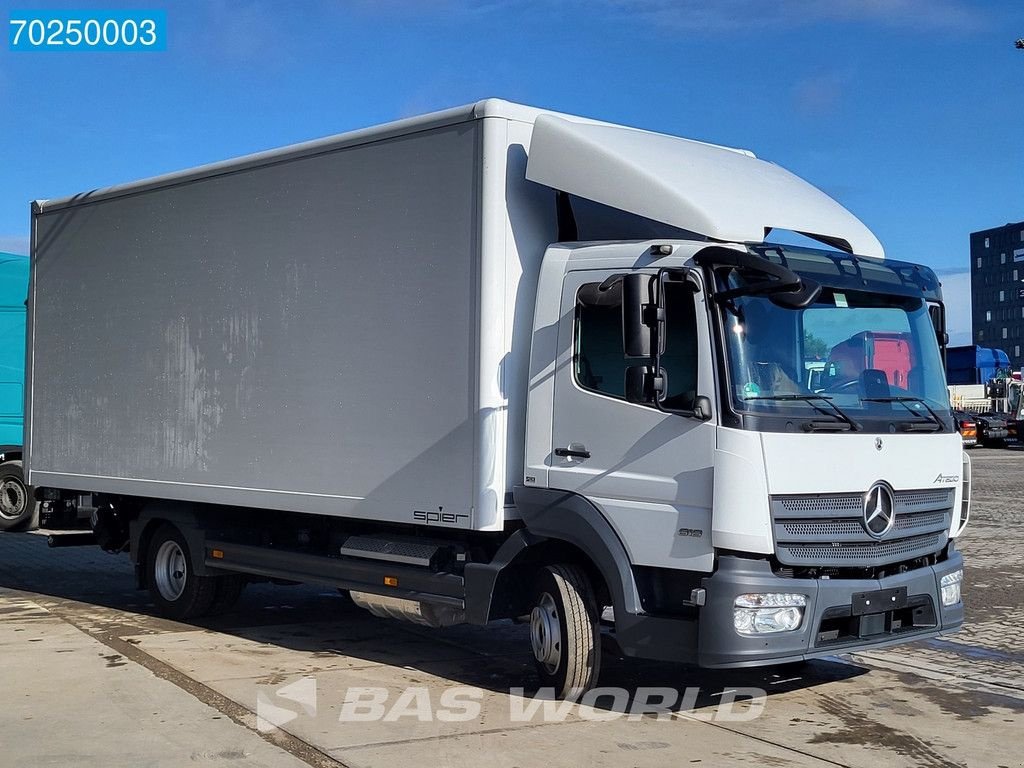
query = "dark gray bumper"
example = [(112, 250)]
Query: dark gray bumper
[(829, 625)]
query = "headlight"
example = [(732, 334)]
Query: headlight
[(950, 586), (757, 614)]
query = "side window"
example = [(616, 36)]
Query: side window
[(598, 358), (599, 361)]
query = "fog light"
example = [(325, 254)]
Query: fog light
[(758, 614), (950, 585)]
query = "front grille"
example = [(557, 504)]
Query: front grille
[(819, 504), (827, 530), (850, 528), (928, 499), (880, 552)]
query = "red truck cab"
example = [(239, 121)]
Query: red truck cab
[(890, 353)]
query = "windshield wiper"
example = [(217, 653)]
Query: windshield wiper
[(811, 400), (905, 401)]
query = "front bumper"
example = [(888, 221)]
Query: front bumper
[(830, 624)]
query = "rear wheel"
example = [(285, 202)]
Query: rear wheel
[(19, 510), (179, 593), (229, 589), (565, 632)]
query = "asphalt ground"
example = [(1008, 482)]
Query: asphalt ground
[(296, 675)]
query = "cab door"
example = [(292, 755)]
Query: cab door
[(649, 472)]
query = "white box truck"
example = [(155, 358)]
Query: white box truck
[(498, 362)]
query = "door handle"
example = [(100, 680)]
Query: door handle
[(572, 453)]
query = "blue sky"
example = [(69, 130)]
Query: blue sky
[(906, 111)]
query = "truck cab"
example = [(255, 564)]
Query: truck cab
[(668, 395)]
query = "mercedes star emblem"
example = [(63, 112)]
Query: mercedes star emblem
[(879, 510)]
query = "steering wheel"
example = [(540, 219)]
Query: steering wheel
[(841, 387)]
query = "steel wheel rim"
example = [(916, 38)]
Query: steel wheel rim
[(546, 634), (169, 571), (13, 497)]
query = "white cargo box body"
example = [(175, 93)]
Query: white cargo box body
[(325, 328), (343, 327)]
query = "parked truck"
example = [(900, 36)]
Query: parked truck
[(996, 405), (975, 365), (18, 509), (502, 363), (890, 353)]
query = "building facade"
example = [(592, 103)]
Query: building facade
[(997, 290)]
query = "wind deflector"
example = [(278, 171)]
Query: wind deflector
[(721, 193)]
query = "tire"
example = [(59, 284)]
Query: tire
[(229, 589), (177, 592), (570, 661), (19, 511)]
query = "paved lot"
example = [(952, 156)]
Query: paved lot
[(91, 677)]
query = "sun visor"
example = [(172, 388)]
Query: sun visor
[(724, 194)]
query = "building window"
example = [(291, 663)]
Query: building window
[(1002, 295), (1004, 332), (986, 242), (1022, 235), (988, 316), (979, 263), (1015, 275), (1002, 258), (1016, 351)]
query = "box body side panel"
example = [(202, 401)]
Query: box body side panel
[(300, 336)]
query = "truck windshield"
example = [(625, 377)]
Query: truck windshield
[(862, 360)]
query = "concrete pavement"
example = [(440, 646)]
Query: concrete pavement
[(299, 676)]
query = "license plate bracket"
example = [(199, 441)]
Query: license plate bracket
[(879, 601)]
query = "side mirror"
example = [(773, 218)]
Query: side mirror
[(937, 312), (636, 335), (642, 386), (702, 407)]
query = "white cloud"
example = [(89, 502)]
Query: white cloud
[(730, 15), (956, 292), (819, 94), (14, 244)]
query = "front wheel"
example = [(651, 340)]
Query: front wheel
[(565, 631), (19, 510)]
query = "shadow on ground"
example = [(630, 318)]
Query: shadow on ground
[(322, 624)]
